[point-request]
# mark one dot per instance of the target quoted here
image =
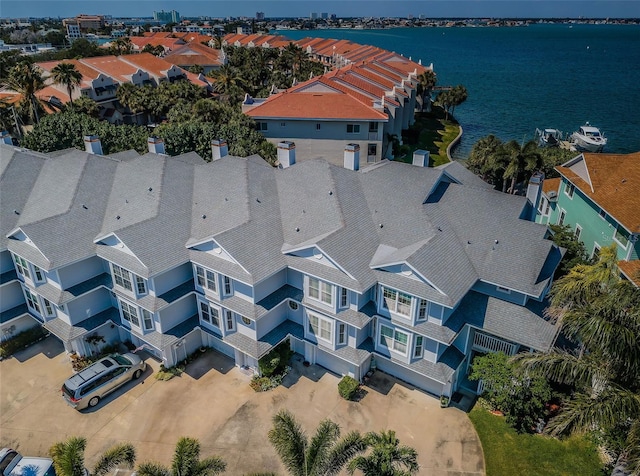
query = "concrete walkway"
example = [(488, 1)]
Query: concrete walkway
[(213, 402)]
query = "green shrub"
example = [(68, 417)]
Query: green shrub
[(275, 361), (348, 387), (21, 340)]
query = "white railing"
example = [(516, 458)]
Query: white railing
[(487, 343)]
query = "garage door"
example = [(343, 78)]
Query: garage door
[(333, 363), (403, 373), (220, 346)]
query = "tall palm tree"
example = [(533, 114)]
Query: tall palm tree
[(67, 75), (228, 82), (68, 457), (387, 458), (186, 462), (26, 79), (522, 161), (324, 455), (426, 83), (601, 312), (480, 159)]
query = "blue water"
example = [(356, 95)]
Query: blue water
[(524, 78)]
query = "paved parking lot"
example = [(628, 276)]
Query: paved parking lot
[(213, 402)]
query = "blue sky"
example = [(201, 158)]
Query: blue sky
[(299, 8)]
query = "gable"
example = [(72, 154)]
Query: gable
[(114, 242), (317, 87), (213, 248)]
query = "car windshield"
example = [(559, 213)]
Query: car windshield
[(6, 460), (121, 360)]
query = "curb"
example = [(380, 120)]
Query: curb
[(454, 143)]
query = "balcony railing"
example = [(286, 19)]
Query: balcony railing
[(486, 343)]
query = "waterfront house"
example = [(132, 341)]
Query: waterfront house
[(597, 196), (409, 269)]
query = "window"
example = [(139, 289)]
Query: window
[(569, 188), (602, 214), (422, 310), (209, 314), (394, 339), (562, 217), (419, 347), (21, 266), (228, 290), (141, 286), (353, 128), (283, 124), (546, 209), (321, 328), (396, 301), (229, 320), (621, 236), (293, 305), (32, 301), (320, 291), (122, 277), (342, 337), (344, 297), (262, 126), (317, 126), (206, 278), (596, 252), (147, 319), (373, 126), (578, 232), (48, 308), (503, 290), (246, 321), (38, 273), (130, 313)]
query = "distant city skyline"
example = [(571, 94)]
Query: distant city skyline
[(351, 8)]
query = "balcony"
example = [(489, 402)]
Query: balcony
[(486, 343)]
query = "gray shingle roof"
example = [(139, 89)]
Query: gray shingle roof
[(59, 296), (173, 335), (67, 332), (155, 303), (259, 348), (8, 314)]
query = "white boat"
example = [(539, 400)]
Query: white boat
[(548, 137), (589, 139)]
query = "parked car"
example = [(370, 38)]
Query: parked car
[(13, 463), (87, 387)]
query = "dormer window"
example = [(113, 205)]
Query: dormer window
[(396, 302), (228, 288), (141, 285), (38, 274)]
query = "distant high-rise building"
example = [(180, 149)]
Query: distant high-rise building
[(167, 17), (333, 16), (259, 15), (324, 16), (314, 15)]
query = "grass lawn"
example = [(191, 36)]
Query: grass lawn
[(435, 135), (508, 453)]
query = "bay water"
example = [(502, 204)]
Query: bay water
[(522, 78)]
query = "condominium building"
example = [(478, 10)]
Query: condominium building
[(407, 268)]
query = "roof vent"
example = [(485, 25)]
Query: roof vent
[(150, 189), (258, 200), (297, 229), (330, 192), (381, 225), (204, 216), (117, 217), (439, 228), (16, 212), (468, 242), (496, 242), (85, 207)]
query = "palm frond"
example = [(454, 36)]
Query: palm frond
[(185, 457), (342, 452), (326, 435), (123, 454), (631, 454), (210, 467), (152, 469), (562, 367), (68, 456), (289, 441)]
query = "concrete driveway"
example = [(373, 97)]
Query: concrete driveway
[(213, 402)]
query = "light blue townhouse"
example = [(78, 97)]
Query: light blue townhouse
[(413, 270)]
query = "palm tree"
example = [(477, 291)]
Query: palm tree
[(601, 313), (186, 462), (122, 46), (67, 75), (68, 457), (426, 83), (482, 152), (521, 160), (130, 97), (26, 79), (228, 82), (323, 455), (387, 457), (459, 95)]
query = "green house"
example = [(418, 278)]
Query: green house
[(598, 196)]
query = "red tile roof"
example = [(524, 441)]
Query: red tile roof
[(615, 183), (551, 185), (121, 71), (631, 270)]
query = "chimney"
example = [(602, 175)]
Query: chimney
[(219, 149), (93, 145), (534, 190), (421, 158), (352, 157), (6, 138), (156, 145), (286, 154)]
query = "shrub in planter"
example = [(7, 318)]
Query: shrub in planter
[(275, 361), (348, 387), (21, 340)]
